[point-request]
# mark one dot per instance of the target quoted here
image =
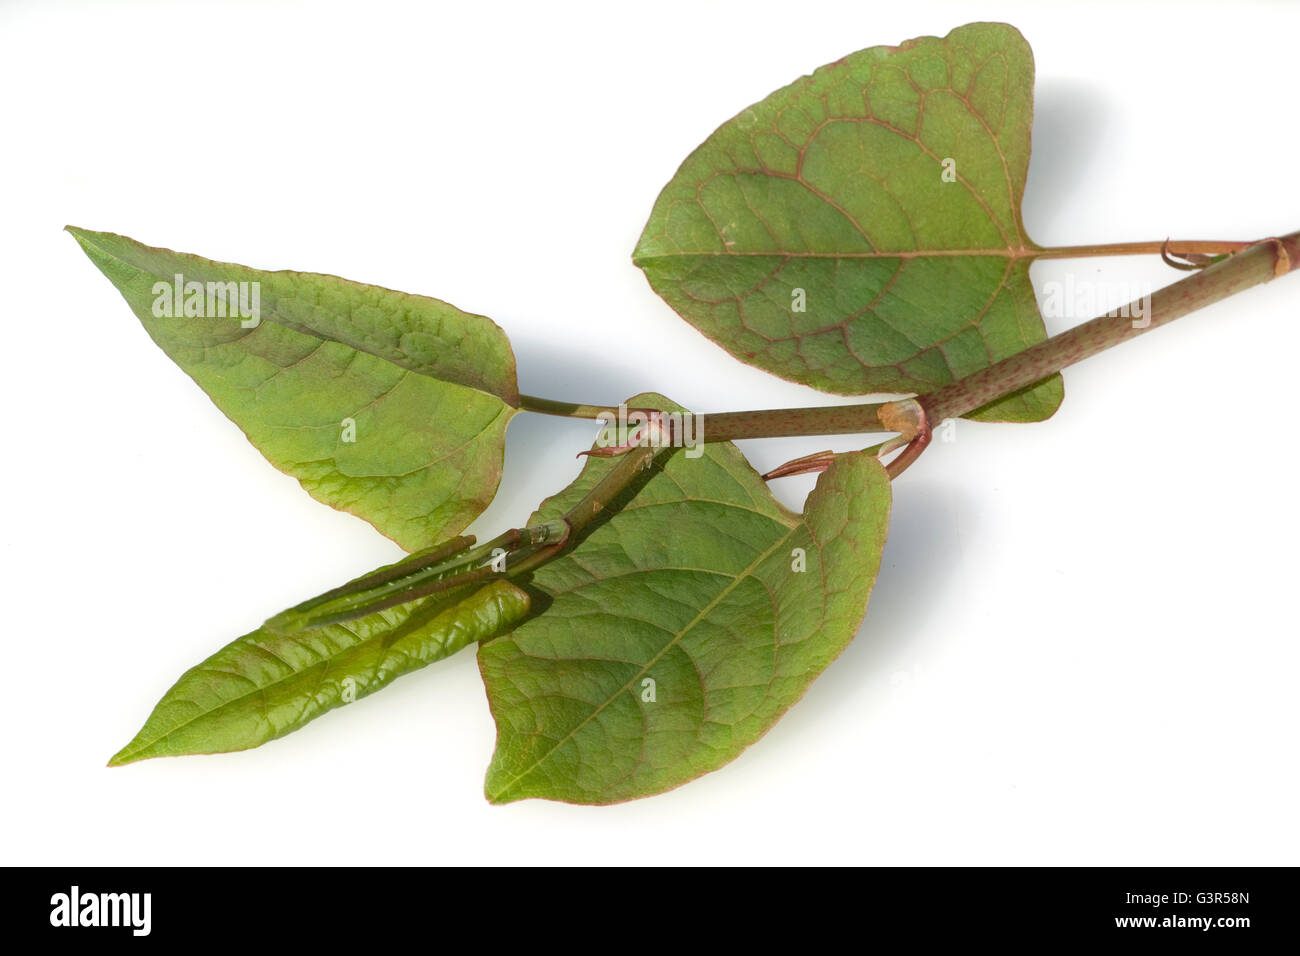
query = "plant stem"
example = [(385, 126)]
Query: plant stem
[(615, 481), (609, 487), (785, 422), (728, 426), (1260, 263)]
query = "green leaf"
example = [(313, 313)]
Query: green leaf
[(391, 406), (693, 586), (831, 191), (267, 684)]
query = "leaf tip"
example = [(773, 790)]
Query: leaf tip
[(495, 791), (85, 237), (131, 753)]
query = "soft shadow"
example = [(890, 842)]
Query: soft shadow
[(922, 555), (552, 372), (1069, 117), (540, 450)]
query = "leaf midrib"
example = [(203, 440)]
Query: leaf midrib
[(272, 315), (1021, 252)]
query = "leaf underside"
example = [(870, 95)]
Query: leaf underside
[(428, 390), (691, 586), (831, 191), (267, 684)]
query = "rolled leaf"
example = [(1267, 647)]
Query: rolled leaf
[(267, 684)]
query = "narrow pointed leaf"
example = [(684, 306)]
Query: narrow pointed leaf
[(391, 406), (676, 633), (267, 684), (817, 236)]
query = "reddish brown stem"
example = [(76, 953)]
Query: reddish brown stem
[(1261, 262)]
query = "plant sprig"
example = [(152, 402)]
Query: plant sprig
[(858, 231)]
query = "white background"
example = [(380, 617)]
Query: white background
[(1082, 645)]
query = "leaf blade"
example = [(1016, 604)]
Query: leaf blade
[(429, 390), (831, 189), (692, 586)]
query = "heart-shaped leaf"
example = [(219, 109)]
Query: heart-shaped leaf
[(676, 633), (391, 406), (267, 683), (859, 230)]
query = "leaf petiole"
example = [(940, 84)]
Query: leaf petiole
[(1180, 249)]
